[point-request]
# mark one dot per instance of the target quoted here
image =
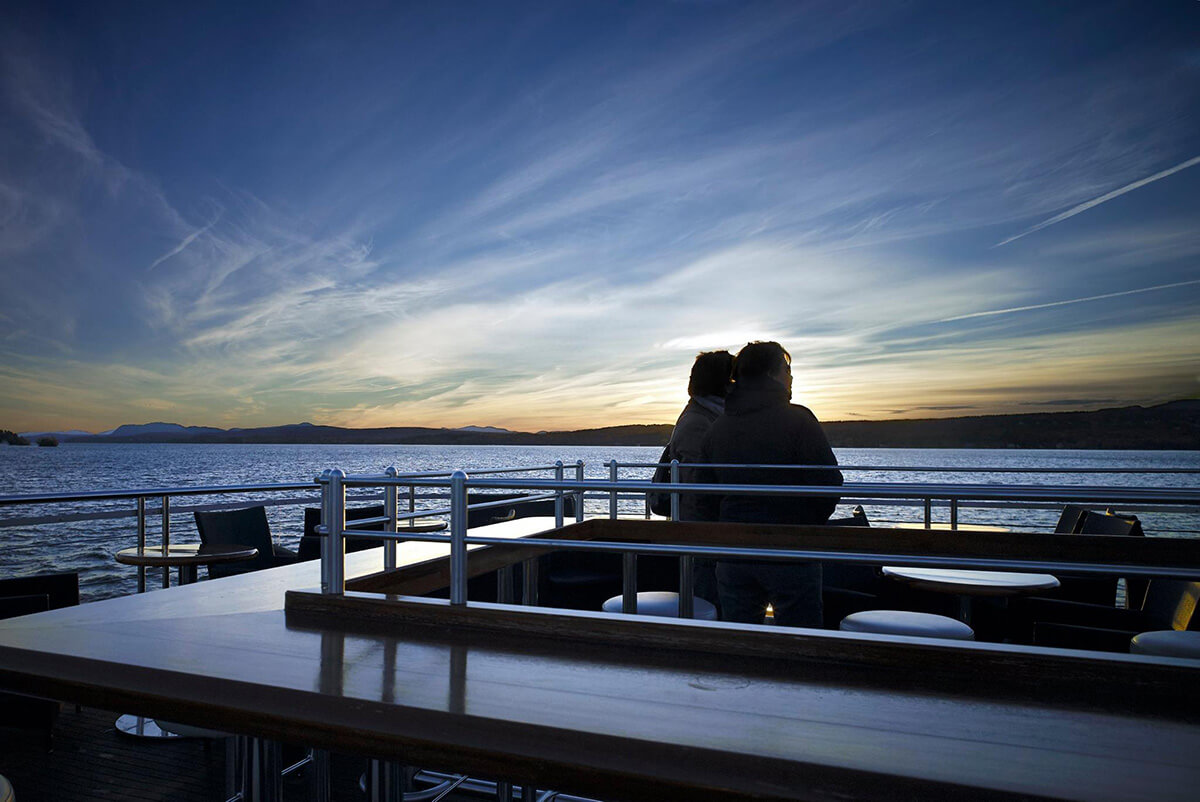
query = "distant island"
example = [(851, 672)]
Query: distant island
[(1174, 426)]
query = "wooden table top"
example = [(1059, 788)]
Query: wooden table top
[(972, 583), (177, 554), (620, 721)]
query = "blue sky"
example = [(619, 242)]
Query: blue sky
[(533, 215)]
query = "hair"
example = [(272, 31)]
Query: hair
[(760, 359), (711, 373)]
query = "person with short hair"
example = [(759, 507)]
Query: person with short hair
[(760, 426), (707, 387)]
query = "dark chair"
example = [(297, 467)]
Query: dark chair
[(245, 527), (310, 541), (24, 596), (1168, 604), (1092, 589)]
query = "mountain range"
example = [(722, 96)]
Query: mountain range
[(1175, 425)]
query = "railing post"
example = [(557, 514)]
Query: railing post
[(166, 537), (628, 558), (141, 530), (458, 538), (558, 495), (390, 506), (686, 561), (675, 493), (954, 513), (612, 496), (928, 513), (579, 494), (333, 546)]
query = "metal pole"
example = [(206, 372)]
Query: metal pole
[(333, 518), (579, 494), (141, 530), (558, 496), (928, 512), (686, 561), (954, 513), (390, 504), (675, 494), (166, 537), (458, 538), (612, 497)]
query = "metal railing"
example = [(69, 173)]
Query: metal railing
[(442, 493), (335, 483)]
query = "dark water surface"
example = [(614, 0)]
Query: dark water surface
[(87, 546)]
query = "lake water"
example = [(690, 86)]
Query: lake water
[(87, 546)]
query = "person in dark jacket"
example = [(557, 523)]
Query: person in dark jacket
[(707, 387), (761, 427)]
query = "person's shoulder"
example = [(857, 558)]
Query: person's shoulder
[(801, 411)]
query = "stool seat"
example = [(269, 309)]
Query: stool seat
[(903, 622), (189, 731), (6, 790), (1167, 643), (664, 603)]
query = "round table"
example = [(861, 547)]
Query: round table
[(968, 584), (420, 525), (185, 557)]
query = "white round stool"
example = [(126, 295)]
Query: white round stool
[(664, 603), (6, 790), (1167, 643), (903, 622)]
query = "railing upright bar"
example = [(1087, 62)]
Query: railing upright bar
[(333, 546), (390, 510), (954, 513), (629, 558), (166, 537), (674, 493), (558, 496), (928, 512), (579, 475), (141, 532), (686, 561), (458, 538)]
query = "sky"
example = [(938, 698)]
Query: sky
[(534, 215)]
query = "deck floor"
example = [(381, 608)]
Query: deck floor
[(90, 761)]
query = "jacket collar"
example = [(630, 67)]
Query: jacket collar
[(751, 395)]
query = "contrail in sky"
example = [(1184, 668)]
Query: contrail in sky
[(1071, 301), (1116, 193), (188, 240)]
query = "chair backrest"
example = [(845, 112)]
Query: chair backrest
[(1110, 523), (244, 527), (1071, 520), (13, 606), (61, 590), (1171, 604), (310, 541)]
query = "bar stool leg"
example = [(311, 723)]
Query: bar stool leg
[(385, 781), (504, 792), (529, 793), (261, 767), (320, 780)]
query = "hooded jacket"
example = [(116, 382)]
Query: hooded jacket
[(761, 426)]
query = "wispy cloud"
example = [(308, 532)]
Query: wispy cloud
[(1105, 198), (1011, 310)]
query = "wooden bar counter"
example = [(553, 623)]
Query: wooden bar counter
[(620, 707)]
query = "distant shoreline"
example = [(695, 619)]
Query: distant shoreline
[(1174, 426)]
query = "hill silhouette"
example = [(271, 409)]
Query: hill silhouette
[(1174, 425)]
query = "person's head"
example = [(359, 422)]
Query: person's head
[(711, 373), (769, 359)]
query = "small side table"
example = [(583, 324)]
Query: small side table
[(185, 557)]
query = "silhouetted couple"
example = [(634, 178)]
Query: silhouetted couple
[(740, 413)]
